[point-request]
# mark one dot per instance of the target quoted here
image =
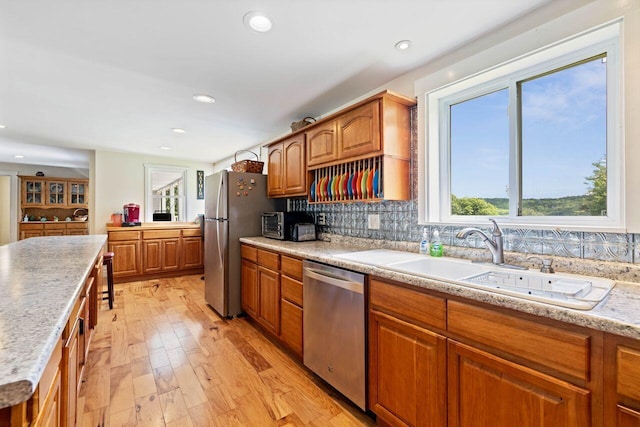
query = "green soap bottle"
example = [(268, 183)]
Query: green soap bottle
[(436, 248)]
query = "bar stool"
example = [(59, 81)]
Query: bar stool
[(107, 260)]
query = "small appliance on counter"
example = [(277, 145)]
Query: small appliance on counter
[(131, 213), (281, 225), (161, 216), (303, 232)]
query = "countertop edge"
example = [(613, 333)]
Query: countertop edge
[(590, 319)]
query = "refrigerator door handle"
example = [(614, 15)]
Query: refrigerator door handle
[(220, 239), (218, 202)]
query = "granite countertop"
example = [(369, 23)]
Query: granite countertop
[(153, 226), (40, 279), (618, 313)]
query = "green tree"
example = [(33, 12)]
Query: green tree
[(472, 206), (596, 199)]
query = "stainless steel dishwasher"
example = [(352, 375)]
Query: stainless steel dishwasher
[(333, 327)]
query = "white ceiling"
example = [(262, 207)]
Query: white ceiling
[(119, 74)]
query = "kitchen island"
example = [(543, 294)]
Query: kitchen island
[(48, 294)]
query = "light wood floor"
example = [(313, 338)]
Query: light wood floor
[(163, 357)]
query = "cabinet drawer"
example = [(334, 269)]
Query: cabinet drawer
[(31, 226), (561, 350), (191, 232), (55, 226), (628, 372), (124, 235), (292, 267), (249, 253), (160, 234), (268, 259), (291, 290), (77, 225), (408, 304)]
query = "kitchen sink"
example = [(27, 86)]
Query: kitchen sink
[(565, 290)]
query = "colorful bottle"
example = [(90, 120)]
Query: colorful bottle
[(424, 243), (436, 249)]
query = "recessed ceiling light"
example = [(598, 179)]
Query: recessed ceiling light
[(178, 130), (163, 147), (257, 21), (3, 127), (18, 156), (403, 44), (204, 98)]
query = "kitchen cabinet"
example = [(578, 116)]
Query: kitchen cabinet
[(47, 193), (322, 143), (359, 131), (272, 294), (78, 193), (622, 381), (160, 250), (155, 251), (291, 304), (125, 246), (407, 361), (53, 228), (56, 192), (485, 390), (473, 364), (49, 392), (287, 168)]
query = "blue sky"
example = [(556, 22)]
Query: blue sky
[(563, 129)]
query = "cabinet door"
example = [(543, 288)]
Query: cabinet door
[(275, 177), (78, 194), (322, 145), (126, 257), (170, 254), (191, 252), (33, 192), (295, 171), (50, 414), (627, 417), (485, 390), (151, 256), (291, 326), (56, 193), (407, 372), (250, 288), (269, 299), (359, 132), (70, 378)]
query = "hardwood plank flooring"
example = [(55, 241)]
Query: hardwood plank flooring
[(162, 357)]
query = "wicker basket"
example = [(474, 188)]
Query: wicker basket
[(302, 123), (252, 166)]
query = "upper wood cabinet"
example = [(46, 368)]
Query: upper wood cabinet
[(322, 144), (359, 131), (287, 168), (63, 193)]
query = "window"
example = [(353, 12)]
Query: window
[(533, 141), (165, 191)]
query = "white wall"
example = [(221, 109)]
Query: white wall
[(5, 210), (118, 178), (49, 171)]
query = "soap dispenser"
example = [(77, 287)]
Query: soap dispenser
[(436, 249), (424, 243)]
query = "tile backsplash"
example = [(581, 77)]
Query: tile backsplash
[(399, 223)]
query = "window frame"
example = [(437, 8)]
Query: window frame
[(437, 201), (148, 192)]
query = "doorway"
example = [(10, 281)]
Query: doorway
[(8, 207)]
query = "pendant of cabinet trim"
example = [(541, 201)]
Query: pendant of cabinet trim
[(379, 126)]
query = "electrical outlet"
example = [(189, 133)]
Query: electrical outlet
[(374, 222), (322, 218)]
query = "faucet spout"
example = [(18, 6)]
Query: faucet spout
[(494, 242)]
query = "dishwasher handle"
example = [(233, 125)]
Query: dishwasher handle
[(322, 276)]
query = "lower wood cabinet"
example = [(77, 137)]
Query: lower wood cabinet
[(407, 377), (485, 390), (272, 294), (53, 228), (627, 417), (70, 368), (145, 252), (622, 381)]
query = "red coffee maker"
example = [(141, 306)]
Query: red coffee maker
[(131, 213)]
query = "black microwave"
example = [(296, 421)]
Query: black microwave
[(279, 225)]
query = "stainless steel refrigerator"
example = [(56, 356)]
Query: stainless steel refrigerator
[(233, 204)]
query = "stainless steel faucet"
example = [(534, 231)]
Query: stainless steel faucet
[(493, 243)]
